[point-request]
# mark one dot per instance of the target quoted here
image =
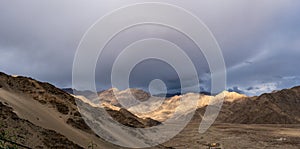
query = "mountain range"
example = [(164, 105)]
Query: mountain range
[(40, 115)]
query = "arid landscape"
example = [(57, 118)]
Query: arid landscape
[(149, 74), (39, 115)]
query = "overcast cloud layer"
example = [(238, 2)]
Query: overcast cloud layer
[(260, 41)]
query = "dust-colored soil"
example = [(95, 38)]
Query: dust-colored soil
[(237, 136)]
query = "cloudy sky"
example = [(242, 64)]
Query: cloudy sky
[(260, 41)]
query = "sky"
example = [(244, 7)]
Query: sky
[(260, 42)]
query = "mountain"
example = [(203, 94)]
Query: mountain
[(165, 107), (280, 107), (271, 119), (41, 110), (109, 96)]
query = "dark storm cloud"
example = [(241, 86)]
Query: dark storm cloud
[(260, 41), (39, 39), (236, 89)]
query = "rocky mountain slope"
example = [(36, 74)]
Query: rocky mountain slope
[(21, 131), (164, 107), (49, 110), (278, 107)]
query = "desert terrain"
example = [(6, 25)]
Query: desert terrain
[(39, 115)]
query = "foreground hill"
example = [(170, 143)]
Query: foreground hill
[(28, 134), (40, 109), (45, 106)]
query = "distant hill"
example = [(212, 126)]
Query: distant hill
[(178, 94), (68, 90), (278, 107), (71, 91)]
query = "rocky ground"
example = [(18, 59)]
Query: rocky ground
[(13, 128)]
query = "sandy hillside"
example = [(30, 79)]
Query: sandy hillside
[(44, 106), (29, 134)]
